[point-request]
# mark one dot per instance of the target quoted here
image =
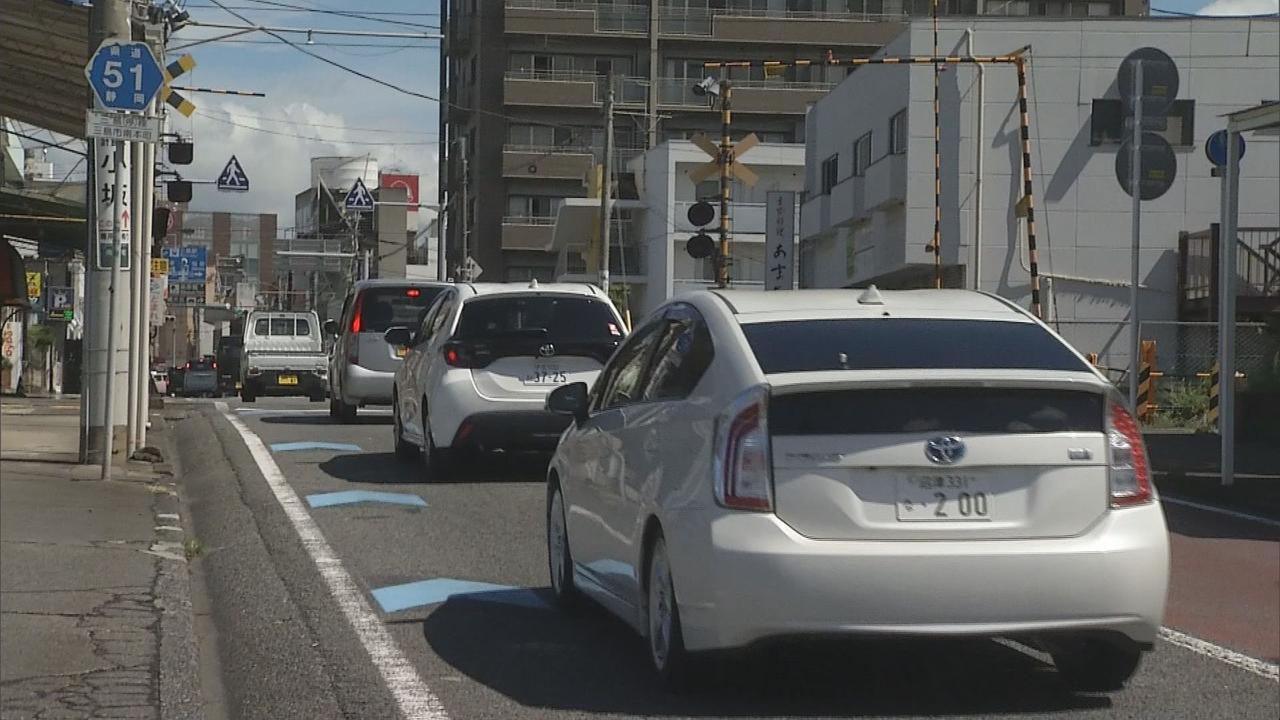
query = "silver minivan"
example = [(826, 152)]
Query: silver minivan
[(361, 363)]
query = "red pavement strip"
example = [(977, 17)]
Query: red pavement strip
[(1225, 579)]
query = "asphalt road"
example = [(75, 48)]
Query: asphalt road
[(281, 646)]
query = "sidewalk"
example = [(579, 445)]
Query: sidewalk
[(94, 594)]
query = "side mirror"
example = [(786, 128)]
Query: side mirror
[(331, 327), (398, 336), (569, 399)]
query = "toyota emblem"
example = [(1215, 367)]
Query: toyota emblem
[(946, 450), (547, 350)]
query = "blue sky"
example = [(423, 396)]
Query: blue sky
[(308, 99)]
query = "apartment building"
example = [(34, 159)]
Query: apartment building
[(525, 80)]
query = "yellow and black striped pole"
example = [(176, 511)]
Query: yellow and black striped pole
[(726, 162), (1147, 381), (1214, 383), (1033, 259)]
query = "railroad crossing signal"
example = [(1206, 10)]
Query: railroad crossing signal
[(174, 70), (124, 75), (736, 169)]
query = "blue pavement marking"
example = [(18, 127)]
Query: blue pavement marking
[(291, 446), (437, 590), (347, 497)]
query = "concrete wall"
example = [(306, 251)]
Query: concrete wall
[(1083, 217)]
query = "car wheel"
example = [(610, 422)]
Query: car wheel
[(435, 461), (1093, 664), (666, 640), (404, 450), (559, 557), (335, 412)]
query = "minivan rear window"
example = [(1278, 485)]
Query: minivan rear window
[(906, 343), (385, 307), (553, 319)]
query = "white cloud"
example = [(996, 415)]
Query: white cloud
[(276, 156), (1241, 7)]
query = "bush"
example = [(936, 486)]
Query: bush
[(1182, 403)]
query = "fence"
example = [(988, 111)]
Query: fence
[(1185, 353)]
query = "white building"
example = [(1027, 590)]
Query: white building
[(648, 249), (869, 210)]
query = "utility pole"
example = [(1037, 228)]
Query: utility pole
[(464, 210), (104, 393), (726, 160), (606, 185)]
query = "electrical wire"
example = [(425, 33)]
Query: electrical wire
[(388, 131), (332, 141), (344, 13), (299, 9), (49, 143), (428, 43)]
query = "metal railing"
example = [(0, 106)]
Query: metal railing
[(1257, 263), (679, 91), (699, 21), (609, 17), (529, 220)]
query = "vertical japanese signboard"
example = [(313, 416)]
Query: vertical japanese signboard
[(109, 226), (780, 241)]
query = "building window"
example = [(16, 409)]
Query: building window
[(1107, 123), (830, 173), (525, 274), (898, 133), (533, 206), (861, 155)]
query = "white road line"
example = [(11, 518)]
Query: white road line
[(1270, 671), (415, 699), (1221, 511)]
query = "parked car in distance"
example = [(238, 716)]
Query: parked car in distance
[(362, 364), (200, 378), (760, 465), (479, 366), (283, 354)]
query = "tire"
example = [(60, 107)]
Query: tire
[(664, 637), (1094, 664), (405, 451), (559, 556), (341, 411), (436, 462), (334, 412)]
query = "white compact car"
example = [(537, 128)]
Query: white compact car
[(477, 371), (760, 465)]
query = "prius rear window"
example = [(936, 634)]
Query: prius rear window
[(906, 343)]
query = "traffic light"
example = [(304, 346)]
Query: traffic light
[(701, 245), (178, 190), (181, 153)]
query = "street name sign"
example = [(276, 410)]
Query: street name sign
[(127, 127)]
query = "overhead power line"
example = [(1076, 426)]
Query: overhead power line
[(299, 136), (299, 9), (342, 13), (285, 121)]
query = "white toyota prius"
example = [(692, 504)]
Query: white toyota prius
[(753, 465)]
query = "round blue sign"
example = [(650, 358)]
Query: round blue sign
[(1215, 148)]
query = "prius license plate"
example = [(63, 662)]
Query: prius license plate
[(287, 380), (944, 497), (545, 375)]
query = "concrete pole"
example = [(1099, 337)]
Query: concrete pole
[(1227, 308), (106, 311), (146, 197), (655, 74), (979, 142), (135, 290), (1135, 181), (606, 185)]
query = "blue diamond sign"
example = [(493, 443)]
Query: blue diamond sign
[(124, 75)]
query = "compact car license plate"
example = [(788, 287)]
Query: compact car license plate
[(287, 380), (944, 497), (545, 375)]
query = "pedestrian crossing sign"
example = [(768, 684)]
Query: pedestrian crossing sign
[(359, 198), (233, 177)]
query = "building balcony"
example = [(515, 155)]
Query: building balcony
[(550, 162), (825, 28), (885, 183), (567, 17), (752, 96), (569, 88), (527, 233)]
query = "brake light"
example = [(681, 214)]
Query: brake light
[(215, 366), (188, 366), (356, 314), (412, 292), (1129, 475), (466, 355), (743, 463)]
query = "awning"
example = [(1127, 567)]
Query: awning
[(13, 277), (43, 51)]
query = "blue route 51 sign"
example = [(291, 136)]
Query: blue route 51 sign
[(124, 75)]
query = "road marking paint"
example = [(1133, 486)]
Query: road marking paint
[(348, 497), (1270, 671), (394, 598), (168, 528), (1217, 476), (415, 700), (300, 446), (167, 516), (1221, 511)]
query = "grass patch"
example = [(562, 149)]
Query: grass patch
[(192, 548)]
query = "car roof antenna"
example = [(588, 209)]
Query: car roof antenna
[(533, 284)]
